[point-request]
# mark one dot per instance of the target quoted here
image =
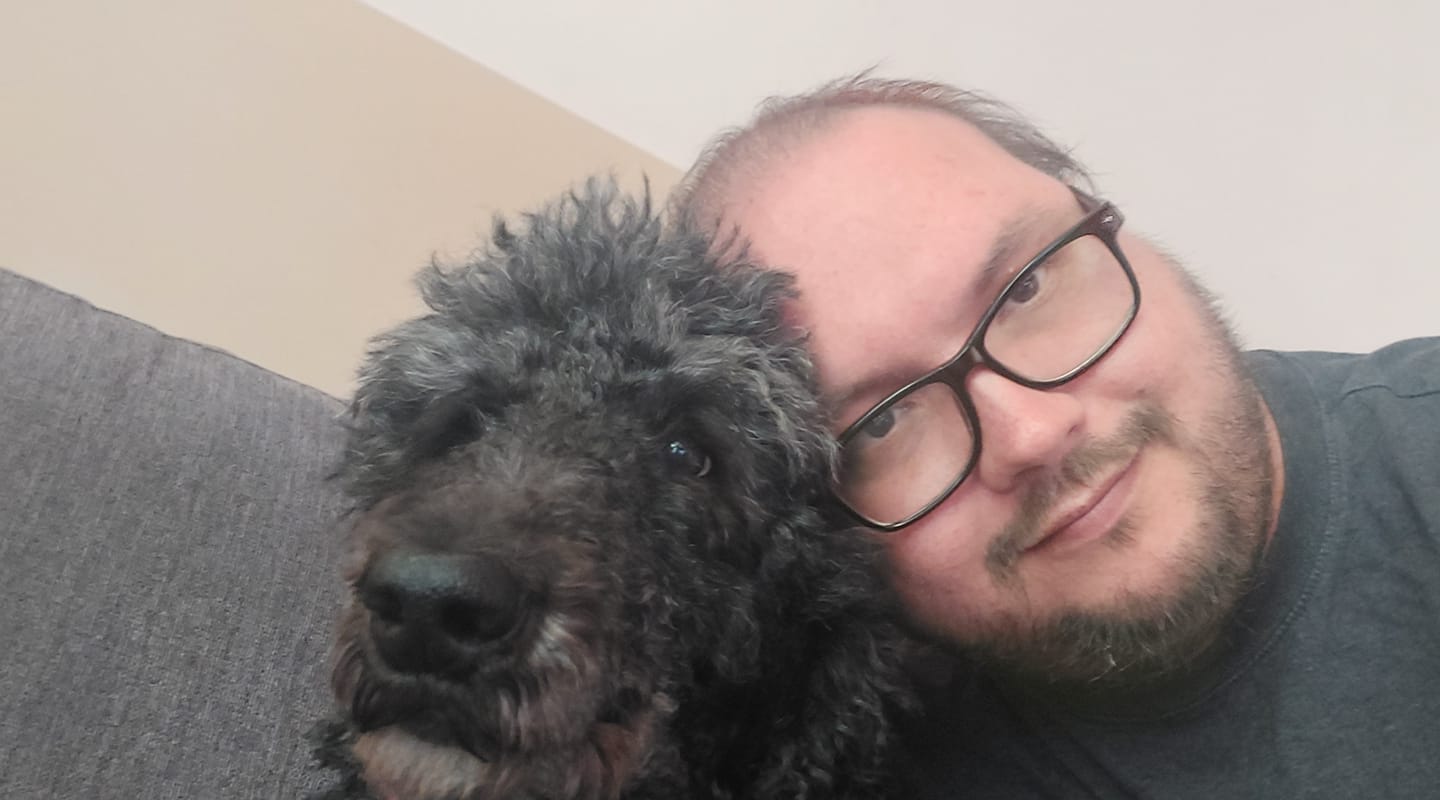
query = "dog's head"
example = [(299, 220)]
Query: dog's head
[(585, 488)]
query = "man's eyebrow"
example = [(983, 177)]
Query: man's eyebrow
[(1004, 255), (887, 381)]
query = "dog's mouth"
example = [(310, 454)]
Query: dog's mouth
[(443, 731), (547, 722), (443, 722), (535, 707), (429, 752)]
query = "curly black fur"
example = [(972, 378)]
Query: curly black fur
[(629, 426)]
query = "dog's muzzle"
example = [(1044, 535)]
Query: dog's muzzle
[(432, 613)]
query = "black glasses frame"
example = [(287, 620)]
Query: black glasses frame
[(1102, 220)]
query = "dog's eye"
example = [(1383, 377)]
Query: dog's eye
[(683, 456), (447, 424)]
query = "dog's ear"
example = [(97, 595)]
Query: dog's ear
[(725, 297), (837, 738)]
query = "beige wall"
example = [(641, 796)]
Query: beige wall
[(263, 175)]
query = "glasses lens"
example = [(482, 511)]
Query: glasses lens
[(906, 454), (1062, 312)]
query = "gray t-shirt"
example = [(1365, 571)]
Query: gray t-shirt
[(1330, 686)]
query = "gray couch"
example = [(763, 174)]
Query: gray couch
[(167, 561)]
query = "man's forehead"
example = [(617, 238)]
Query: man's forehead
[(922, 166), (881, 186), (894, 222), (875, 138)]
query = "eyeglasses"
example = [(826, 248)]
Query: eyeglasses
[(1061, 313)]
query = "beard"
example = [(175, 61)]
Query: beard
[(1140, 640)]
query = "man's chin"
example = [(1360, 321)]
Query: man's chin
[(1098, 651), (1139, 640)]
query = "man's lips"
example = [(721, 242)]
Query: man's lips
[(1088, 513)]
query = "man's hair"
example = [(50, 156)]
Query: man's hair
[(782, 123)]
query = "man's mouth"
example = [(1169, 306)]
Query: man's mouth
[(1089, 513)]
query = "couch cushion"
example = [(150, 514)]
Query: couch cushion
[(168, 565)]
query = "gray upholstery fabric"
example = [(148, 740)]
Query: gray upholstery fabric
[(168, 561)]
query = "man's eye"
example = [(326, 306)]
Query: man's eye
[(880, 425), (1026, 288)]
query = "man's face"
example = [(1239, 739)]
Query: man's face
[(1109, 523)]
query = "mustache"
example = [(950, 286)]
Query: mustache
[(1146, 424)]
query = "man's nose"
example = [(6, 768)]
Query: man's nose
[(1021, 429)]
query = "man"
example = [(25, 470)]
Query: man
[(1161, 567)]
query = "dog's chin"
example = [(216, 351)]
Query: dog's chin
[(566, 737), (399, 765), (422, 758), (396, 764), (438, 733)]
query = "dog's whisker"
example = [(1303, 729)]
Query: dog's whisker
[(555, 647)]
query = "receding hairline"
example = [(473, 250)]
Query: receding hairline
[(740, 156), (744, 154)]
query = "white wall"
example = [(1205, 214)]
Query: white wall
[(1286, 150)]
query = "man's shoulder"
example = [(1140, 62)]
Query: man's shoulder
[(1407, 367), (1391, 393), (1371, 423)]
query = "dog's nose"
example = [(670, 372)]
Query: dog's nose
[(431, 612)]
